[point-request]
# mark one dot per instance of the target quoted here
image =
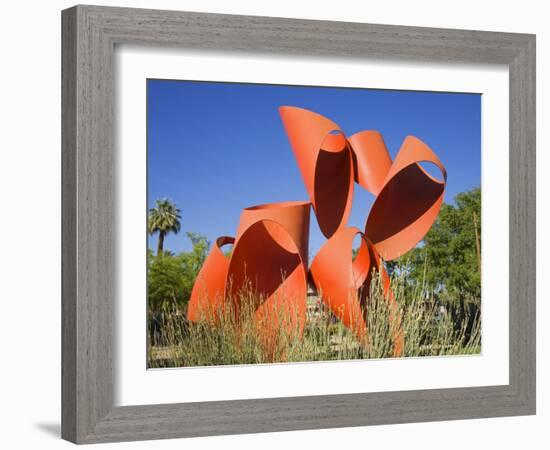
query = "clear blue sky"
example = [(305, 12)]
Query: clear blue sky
[(216, 148)]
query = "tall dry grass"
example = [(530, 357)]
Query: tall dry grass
[(236, 337)]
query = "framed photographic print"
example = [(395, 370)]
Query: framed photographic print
[(266, 229)]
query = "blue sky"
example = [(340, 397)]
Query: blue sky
[(216, 148)]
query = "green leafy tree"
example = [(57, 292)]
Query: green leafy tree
[(449, 262), (192, 262), (165, 282), (164, 218), (170, 277), (452, 248)]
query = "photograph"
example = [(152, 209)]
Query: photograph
[(292, 224), (265, 225)]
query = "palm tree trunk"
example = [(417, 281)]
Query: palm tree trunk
[(160, 243)]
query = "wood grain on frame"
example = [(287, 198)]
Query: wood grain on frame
[(88, 200)]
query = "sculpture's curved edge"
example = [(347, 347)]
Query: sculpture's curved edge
[(318, 151), (399, 204), (208, 294), (294, 216), (272, 276), (271, 234), (338, 280), (372, 160)]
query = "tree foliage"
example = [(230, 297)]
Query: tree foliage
[(171, 277), (447, 264), (452, 250)]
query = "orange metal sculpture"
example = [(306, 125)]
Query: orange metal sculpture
[(344, 284), (270, 257), (326, 163), (268, 265), (208, 295)]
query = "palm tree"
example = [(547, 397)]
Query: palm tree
[(164, 218)]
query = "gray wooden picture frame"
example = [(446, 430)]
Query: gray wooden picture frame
[(90, 34)]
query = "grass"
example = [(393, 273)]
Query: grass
[(237, 338)]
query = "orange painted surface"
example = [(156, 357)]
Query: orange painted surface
[(344, 284), (408, 202), (372, 160), (268, 265), (326, 165), (208, 294), (270, 255), (270, 262)]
